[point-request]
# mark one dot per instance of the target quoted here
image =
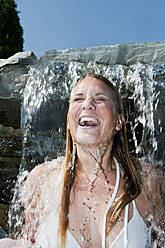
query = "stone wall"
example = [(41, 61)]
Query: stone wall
[(13, 76), (123, 54)]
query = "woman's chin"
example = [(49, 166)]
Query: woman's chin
[(88, 141)]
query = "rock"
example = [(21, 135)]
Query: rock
[(13, 77), (3, 234), (25, 58), (123, 54), (13, 80), (9, 169), (10, 159), (9, 132), (10, 112), (4, 227)]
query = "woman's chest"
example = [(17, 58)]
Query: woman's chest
[(86, 218)]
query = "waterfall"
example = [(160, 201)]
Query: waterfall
[(45, 104), (46, 98)]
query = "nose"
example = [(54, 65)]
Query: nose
[(88, 104)]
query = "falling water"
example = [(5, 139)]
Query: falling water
[(46, 97), (45, 105)]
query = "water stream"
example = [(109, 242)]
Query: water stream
[(45, 105)]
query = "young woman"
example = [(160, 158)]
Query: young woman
[(94, 197)]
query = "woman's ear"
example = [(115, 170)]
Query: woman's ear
[(119, 122)]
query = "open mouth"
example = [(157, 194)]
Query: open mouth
[(88, 122)]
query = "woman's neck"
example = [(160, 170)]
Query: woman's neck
[(92, 160)]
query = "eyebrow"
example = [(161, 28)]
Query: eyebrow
[(97, 94), (78, 94), (101, 93)]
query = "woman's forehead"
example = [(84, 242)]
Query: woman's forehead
[(91, 84)]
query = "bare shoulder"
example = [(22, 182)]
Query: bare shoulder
[(42, 181), (46, 170), (36, 172), (8, 243)]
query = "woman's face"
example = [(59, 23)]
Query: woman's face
[(92, 115)]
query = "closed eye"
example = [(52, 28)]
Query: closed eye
[(100, 100), (78, 99)]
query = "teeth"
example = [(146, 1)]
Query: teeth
[(88, 119)]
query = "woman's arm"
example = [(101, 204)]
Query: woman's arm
[(32, 199), (38, 187)]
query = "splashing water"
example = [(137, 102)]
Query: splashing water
[(46, 98), (43, 120)]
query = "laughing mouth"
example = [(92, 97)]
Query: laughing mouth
[(88, 121)]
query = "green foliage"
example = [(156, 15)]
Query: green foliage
[(11, 32)]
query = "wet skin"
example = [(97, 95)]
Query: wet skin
[(93, 122), (92, 114)]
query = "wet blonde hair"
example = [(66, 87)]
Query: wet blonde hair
[(129, 168)]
